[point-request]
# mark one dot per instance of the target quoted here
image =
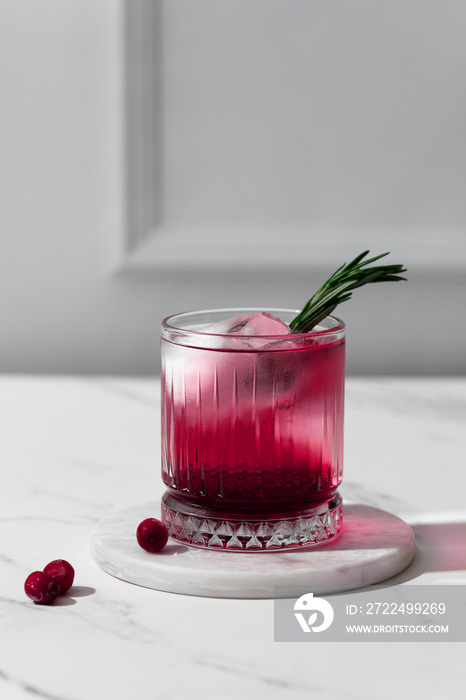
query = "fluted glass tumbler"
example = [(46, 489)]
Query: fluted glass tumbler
[(252, 433)]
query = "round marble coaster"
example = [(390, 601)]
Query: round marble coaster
[(372, 546)]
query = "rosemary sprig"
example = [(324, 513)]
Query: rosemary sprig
[(337, 289)]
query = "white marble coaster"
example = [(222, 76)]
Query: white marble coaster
[(372, 546)]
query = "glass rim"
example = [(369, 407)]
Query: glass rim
[(243, 310)]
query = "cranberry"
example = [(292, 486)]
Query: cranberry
[(152, 535), (62, 572), (41, 587)]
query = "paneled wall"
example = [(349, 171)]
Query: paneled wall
[(159, 157)]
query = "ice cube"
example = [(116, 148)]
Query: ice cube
[(260, 323)]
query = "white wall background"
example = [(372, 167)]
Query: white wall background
[(287, 136)]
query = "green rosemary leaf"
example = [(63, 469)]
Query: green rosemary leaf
[(338, 288)]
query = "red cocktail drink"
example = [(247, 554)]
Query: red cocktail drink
[(252, 429)]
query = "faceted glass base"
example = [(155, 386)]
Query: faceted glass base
[(313, 526)]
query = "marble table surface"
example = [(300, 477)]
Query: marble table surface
[(72, 450)]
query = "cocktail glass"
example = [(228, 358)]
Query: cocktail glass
[(252, 433)]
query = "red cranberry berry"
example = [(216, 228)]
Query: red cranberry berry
[(41, 587), (152, 535), (62, 572)]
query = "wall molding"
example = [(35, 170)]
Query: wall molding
[(149, 248)]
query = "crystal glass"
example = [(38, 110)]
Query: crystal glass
[(252, 433)]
